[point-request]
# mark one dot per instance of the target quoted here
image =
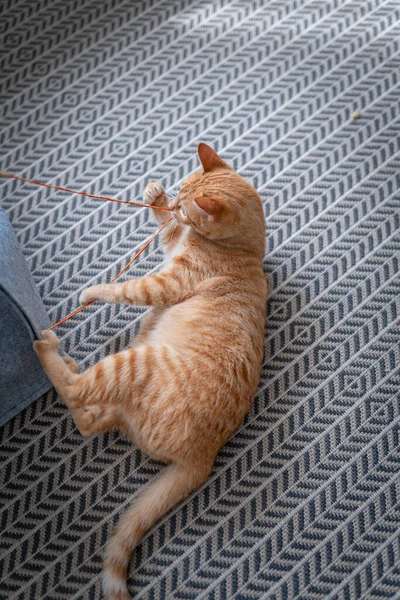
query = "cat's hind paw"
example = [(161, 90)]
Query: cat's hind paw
[(72, 364), (49, 342)]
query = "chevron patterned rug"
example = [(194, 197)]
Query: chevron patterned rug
[(104, 96)]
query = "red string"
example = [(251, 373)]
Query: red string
[(63, 189)]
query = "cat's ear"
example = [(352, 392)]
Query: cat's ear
[(210, 206), (210, 159)]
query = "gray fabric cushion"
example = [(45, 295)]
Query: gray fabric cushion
[(22, 317)]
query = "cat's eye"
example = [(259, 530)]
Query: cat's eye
[(183, 211)]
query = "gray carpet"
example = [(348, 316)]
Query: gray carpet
[(105, 96)]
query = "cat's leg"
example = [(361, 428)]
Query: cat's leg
[(170, 286), (58, 368), (155, 195), (89, 396)]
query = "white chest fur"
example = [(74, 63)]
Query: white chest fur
[(179, 244)]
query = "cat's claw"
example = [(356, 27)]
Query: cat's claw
[(49, 342), (155, 194)]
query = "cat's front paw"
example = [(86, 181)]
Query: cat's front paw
[(91, 294), (155, 195), (48, 343)]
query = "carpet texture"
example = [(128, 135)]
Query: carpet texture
[(105, 96)]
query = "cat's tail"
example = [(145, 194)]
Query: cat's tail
[(173, 485)]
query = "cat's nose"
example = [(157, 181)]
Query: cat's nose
[(173, 204)]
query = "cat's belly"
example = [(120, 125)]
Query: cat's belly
[(201, 323), (178, 325)]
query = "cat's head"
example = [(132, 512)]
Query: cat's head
[(220, 205)]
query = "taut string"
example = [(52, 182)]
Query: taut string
[(63, 189)]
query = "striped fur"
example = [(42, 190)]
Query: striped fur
[(183, 388)]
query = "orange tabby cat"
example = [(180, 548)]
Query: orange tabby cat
[(183, 388)]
